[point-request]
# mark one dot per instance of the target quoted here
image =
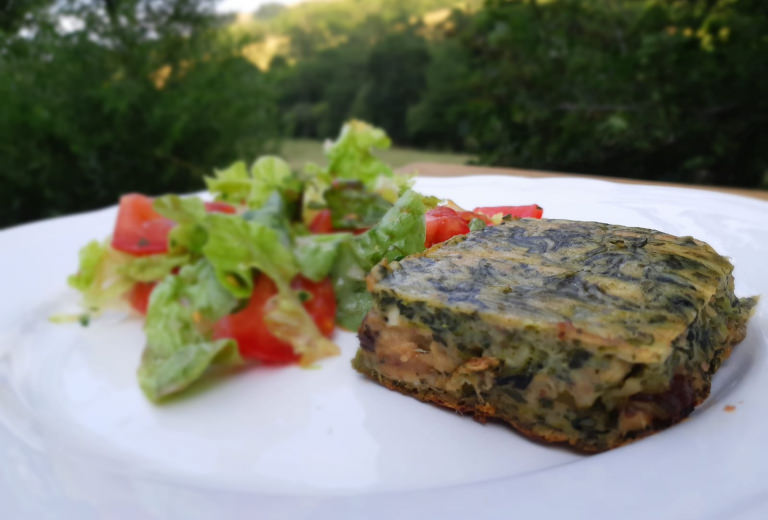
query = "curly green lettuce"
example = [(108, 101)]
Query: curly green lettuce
[(182, 312), (105, 275), (400, 233), (238, 184), (216, 256)]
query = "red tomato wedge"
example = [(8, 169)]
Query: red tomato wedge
[(322, 222), (247, 327), (443, 223), (139, 296), (532, 210), (139, 229), (220, 207)]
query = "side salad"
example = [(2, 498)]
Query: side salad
[(268, 267)]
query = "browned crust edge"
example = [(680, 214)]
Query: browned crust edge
[(482, 413)]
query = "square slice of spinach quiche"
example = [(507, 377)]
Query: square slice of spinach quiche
[(580, 333)]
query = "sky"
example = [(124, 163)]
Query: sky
[(247, 6)]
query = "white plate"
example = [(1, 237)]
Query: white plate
[(78, 440)]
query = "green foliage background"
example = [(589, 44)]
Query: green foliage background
[(82, 118), (147, 95)]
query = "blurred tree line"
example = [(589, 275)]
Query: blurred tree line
[(99, 98), (103, 97), (658, 89)]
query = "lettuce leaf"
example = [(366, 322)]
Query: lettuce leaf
[(98, 278), (351, 155), (476, 224), (237, 246), (182, 312), (232, 184), (105, 275), (316, 254), (390, 188), (399, 233), (354, 207), (150, 268), (316, 182), (274, 214), (239, 185)]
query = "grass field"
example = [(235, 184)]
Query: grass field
[(300, 151)]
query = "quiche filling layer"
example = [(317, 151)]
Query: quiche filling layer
[(573, 332)]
